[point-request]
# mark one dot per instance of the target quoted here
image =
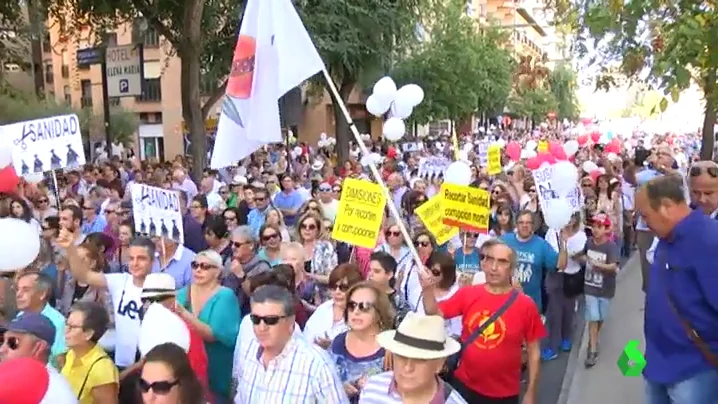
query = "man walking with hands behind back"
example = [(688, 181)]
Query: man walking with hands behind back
[(489, 371)]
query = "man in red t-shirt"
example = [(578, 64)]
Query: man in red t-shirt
[(490, 368), (160, 288)]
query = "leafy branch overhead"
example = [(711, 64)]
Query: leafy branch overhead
[(463, 69)]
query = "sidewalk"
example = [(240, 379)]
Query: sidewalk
[(604, 383)]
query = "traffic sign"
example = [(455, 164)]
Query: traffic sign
[(124, 69)]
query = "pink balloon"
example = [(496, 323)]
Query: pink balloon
[(557, 151), (582, 140), (594, 175), (595, 137), (8, 180), (545, 157), (513, 150), (533, 163)]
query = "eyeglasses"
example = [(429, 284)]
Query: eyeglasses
[(43, 201), (325, 189), (259, 199), (342, 287), (422, 244), (698, 171), (392, 233), (161, 387), (202, 265), (363, 307), (268, 320), (473, 235), (268, 237), (237, 244), (310, 226), (12, 342), (491, 260)]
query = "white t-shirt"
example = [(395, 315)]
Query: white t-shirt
[(59, 390), (574, 245), (126, 303), (330, 209), (453, 326), (321, 323)]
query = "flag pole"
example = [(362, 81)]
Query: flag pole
[(365, 152)]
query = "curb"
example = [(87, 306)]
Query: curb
[(570, 388)]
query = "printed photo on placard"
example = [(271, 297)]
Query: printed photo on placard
[(46, 144), (156, 212)]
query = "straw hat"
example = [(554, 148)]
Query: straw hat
[(419, 337)]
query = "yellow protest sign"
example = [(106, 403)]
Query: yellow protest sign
[(431, 214), (493, 156), (542, 146), (360, 213), (466, 207)]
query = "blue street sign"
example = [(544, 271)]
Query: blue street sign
[(89, 56)]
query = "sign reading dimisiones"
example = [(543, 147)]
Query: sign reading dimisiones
[(466, 207), (360, 213)]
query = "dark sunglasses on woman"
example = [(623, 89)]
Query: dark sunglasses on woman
[(161, 387), (364, 307)]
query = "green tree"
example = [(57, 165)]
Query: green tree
[(462, 70), (668, 44), (359, 42), (532, 103), (203, 34), (563, 84)]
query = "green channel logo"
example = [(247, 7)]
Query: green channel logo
[(631, 362)]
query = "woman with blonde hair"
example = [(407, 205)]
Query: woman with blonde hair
[(273, 216), (320, 255)]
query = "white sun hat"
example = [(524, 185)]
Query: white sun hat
[(419, 337)]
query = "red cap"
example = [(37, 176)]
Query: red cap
[(602, 219)]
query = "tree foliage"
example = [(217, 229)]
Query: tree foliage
[(17, 107), (359, 42), (562, 81), (202, 33), (462, 70), (667, 44), (532, 103)]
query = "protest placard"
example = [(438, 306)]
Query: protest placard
[(542, 179), (156, 212), (466, 207), (45, 144), (494, 159), (432, 215), (360, 213)]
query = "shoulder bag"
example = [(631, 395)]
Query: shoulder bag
[(84, 382), (452, 362)]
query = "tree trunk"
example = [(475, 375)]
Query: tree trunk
[(189, 54), (709, 93), (341, 126)]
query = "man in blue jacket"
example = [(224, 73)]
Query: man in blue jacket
[(681, 316)]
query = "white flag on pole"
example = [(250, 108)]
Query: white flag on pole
[(274, 54)]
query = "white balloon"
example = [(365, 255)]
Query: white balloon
[(33, 178), (564, 178), (160, 326), (558, 213), (589, 167), (531, 145), (394, 129), (323, 136), (528, 154), (501, 142), (570, 148), (376, 106), (373, 158), (612, 157), (321, 143), (5, 156), (21, 242), (385, 90), (458, 173), (412, 93), (401, 108), (464, 155), (297, 150)]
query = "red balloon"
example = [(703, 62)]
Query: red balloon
[(8, 179), (15, 373), (594, 175), (595, 136), (513, 150), (557, 151), (545, 157), (582, 140), (533, 163)]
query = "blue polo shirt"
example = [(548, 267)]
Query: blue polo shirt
[(684, 267), (289, 201), (179, 266)]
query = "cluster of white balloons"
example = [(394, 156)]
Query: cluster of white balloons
[(564, 180), (325, 141), (400, 102), (20, 242)]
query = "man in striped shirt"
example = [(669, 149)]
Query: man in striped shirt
[(280, 368), (419, 348)]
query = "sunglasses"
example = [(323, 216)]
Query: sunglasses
[(12, 342), (325, 189), (309, 226), (202, 265), (363, 307), (509, 173), (268, 237), (337, 190), (473, 235), (392, 233), (161, 387), (422, 244), (156, 299), (342, 287), (698, 171), (237, 244), (268, 320), (258, 199)]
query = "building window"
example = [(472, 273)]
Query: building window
[(144, 118), (151, 91), (86, 93), (65, 71), (68, 94), (149, 38), (46, 46), (109, 39), (158, 117), (114, 101), (49, 74)]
